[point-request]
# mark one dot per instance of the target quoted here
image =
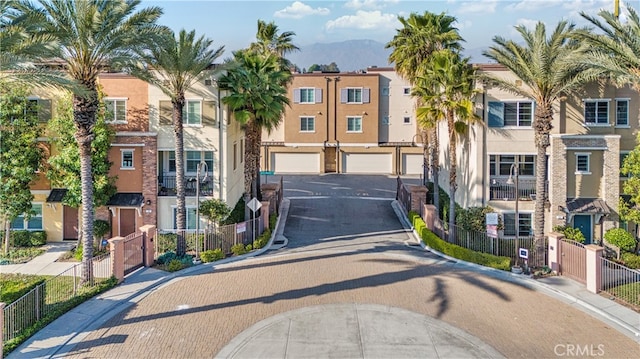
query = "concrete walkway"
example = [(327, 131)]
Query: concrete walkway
[(45, 264), (357, 326)]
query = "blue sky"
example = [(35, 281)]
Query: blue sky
[(234, 23)]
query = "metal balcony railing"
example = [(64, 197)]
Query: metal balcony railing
[(167, 185), (499, 190)]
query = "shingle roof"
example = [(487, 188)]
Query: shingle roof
[(56, 195), (587, 205), (122, 199)]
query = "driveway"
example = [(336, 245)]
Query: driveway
[(345, 246)]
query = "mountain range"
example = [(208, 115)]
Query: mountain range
[(354, 55)]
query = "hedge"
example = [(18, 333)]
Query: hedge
[(433, 241)]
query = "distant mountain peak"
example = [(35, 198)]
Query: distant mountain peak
[(349, 55)]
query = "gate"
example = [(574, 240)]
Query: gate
[(573, 260), (133, 252)]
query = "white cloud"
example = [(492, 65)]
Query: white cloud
[(368, 4), (363, 20), (534, 5), (298, 10), (478, 7)]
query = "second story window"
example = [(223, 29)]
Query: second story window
[(354, 124), (191, 114), (622, 112), (500, 165), (307, 124), (596, 112), (116, 110), (511, 114), (354, 95), (127, 159), (307, 95), (582, 163)]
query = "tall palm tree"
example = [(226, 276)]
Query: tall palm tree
[(446, 91), (269, 40), (174, 65), (256, 86), (91, 35), (413, 45), (548, 70)]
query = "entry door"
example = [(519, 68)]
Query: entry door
[(583, 223), (330, 160), (70, 223), (127, 221)]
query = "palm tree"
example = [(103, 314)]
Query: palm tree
[(446, 90), (174, 65), (548, 70), (413, 45), (256, 86), (269, 40), (91, 35)]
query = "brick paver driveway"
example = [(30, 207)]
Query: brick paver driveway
[(345, 249)]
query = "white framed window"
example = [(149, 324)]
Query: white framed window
[(385, 120), (622, 112), (307, 95), (354, 95), (511, 114), (307, 124), (385, 91), (126, 159), (500, 165), (32, 224), (193, 158), (596, 112), (192, 113), (116, 110), (191, 217), (582, 163), (354, 124), (524, 224), (406, 120), (406, 91)]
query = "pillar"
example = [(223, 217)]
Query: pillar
[(429, 216), (116, 245), (594, 267), (418, 197), (554, 251), (265, 212), (148, 257)]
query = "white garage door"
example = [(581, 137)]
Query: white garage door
[(412, 164), (295, 162), (367, 163)]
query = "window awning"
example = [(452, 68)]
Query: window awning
[(56, 195), (587, 205), (122, 199)]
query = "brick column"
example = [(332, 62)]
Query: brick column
[(429, 216), (1, 326), (611, 180), (150, 180), (269, 193), (554, 251), (148, 257), (594, 268), (418, 197), (558, 181), (117, 257)]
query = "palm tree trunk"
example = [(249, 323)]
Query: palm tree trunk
[(252, 155), (453, 167), (181, 209), (542, 126), (434, 164)]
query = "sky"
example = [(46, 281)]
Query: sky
[(234, 23)]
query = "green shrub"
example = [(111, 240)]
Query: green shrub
[(20, 255), (631, 260), (238, 249), (236, 215), (263, 239), (211, 255), (248, 248), (20, 238), (166, 242), (473, 218), (620, 238), (167, 257), (431, 240), (174, 265), (38, 238), (100, 228), (570, 233), (14, 286), (273, 220)]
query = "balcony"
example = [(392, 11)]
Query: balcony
[(167, 185), (499, 190)]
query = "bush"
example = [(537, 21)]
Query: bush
[(631, 260), (166, 242), (100, 228), (167, 257), (431, 240), (570, 233), (174, 265), (20, 238), (20, 255), (211, 255), (620, 238), (14, 286), (237, 214), (38, 238), (473, 218), (238, 249)]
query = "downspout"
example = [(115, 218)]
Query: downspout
[(221, 138), (324, 148), (484, 147), (335, 122)]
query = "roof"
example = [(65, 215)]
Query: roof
[(587, 205), (122, 199), (56, 195)]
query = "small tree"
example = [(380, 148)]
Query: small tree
[(215, 211), (570, 233), (621, 239)]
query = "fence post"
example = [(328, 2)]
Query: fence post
[(429, 216), (1, 326), (594, 267), (149, 247), (554, 251), (116, 246), (418, 197)]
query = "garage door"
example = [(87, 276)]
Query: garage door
[(295, 162), (367, 163), (412, 164)]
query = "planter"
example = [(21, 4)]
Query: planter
[(516, 270)]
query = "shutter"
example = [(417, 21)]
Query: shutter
[(496, 114), (343, 95), (165, 113), (296, 95), (44, 110), (365, 95), (209, 113), (318, 93)]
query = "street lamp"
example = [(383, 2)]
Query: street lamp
[(514, 169), (201, 166)]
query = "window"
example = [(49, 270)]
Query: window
[(193, 158), (385, 120), (191, 218), (354, 95), (191, 114), (127, 159), (500, 165), (622, 112), (514, 114), (32, 224), (524, 224), (596, 112), (116, 110), (307, 124), (623, 156), (406, 90), (582, 163), (385, 91), (406, 119), (307, 95), (354, 124), (32, 108), (172, 161)]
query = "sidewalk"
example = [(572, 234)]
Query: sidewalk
[(44, 264), (59, 337)]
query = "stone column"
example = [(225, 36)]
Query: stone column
[(429, 216), (554, 251), (594, 267), (148, 257), (558, 181), (117, 257), (418, 197), (269, 193), (611, 180)]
